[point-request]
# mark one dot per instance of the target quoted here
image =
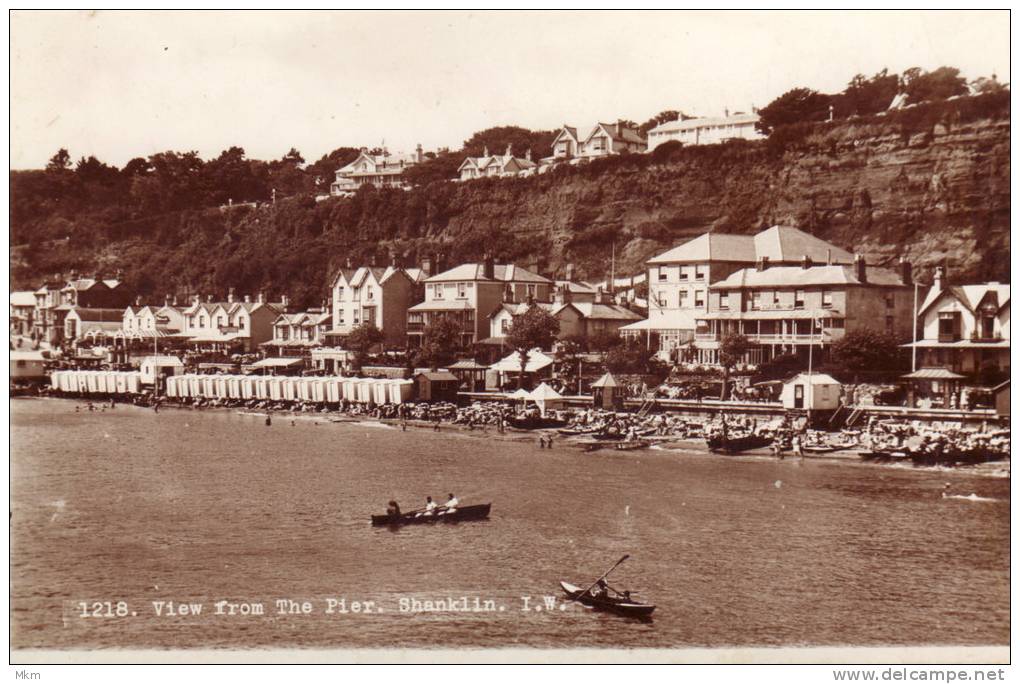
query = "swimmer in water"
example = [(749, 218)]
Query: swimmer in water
[(945, 490)]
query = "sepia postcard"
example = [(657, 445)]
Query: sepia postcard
[(511, 337)]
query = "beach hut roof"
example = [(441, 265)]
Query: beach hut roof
[(520, 393), (606, 380), (537, 360), (544, 392)]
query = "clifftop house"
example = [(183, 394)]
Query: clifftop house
[(706, 131), (601, 141), (381, 170), (489, 166)]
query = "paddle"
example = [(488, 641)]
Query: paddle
[(625, 557)]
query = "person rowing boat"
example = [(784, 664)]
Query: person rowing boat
[(450, 506), (430, 507)]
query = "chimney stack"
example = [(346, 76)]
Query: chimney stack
[(489, 267), (230, 295), (569, 272), (419, 155), (828, 256), (247, 299), (285, 300), (262, 298), (805, 262), (939, 275), (485, 151), (138, 300), (906, 272), (426, 266), (175, 300), (527, 154), (208, 299), (860, 268), (349, 263), (598, 295), (508, 293), (510, 150), (763, 263), (166, 300), (372, 261)]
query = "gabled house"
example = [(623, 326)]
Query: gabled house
[(964, 328), (609, 139), (295, 334), (231, 325), (600, 316), (381, 170), (566, 144), (495, 166), (94, 324), (376, 295), (470, 293), (22, 312)]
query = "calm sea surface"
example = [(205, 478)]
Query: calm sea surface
[(200, 507)]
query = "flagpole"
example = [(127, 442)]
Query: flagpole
[(913, 347), (810, 362)]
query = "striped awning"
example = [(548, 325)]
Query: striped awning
[(934, 374)]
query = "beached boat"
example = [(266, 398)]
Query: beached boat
[(569, 431), (535, 423), (633, 445), (734, 445), (820, 448), (613, 604), (883, 456), (461, 514)]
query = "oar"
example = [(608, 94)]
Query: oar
[(625, 557)]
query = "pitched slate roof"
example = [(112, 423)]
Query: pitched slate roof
[(796, 276), (99, 315), (969, 295), (710, 247), (475, 271), (789, 244)]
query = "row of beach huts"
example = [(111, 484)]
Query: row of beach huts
[(331, 390)]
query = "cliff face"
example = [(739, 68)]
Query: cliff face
[(931, 185), (931, 197)]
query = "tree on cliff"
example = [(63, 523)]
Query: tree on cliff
[(61, 160), (731, 350), (361, 340), (536, 327), (497, 139), (865, 95), (440, 342), (931, 86), (794, 106)]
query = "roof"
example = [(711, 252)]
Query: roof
[(569, 130), (544, 392), (576, 287), (797, 276), (613, 312), (666, 320), (617, 131), (789, 244), (391, 161), (469, 364), (704, 122), (606, 380), (23, 298), (710, 247), (537, 360), (814, 379), (438, 376), (278, 362), (933, 374), (443, 305), (475, 271), (99, 315), (970, 296)]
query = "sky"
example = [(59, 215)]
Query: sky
[(119, 85)]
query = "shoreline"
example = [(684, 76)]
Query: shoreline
[(663, 444)]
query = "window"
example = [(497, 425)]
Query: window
[(756, 300), (201, 322), (356, 317), (683, 299), (798, 299), (662, 300), (219, 321), (340, 317), (684, 273), (826, 299), (949, 326), (724, 300), (699, 298), (504, 326), (699, 272), (340, 294), (461, 290), (437, 291), (775, 298), (663, 275), (890, 300), (355, 292), (371, 294), (533, 290)]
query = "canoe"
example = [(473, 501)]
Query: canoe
[(612, 604), (461, 514), (734, 445)]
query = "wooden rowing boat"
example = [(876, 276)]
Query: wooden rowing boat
[(613, 604), (734, 445), (461, 514)]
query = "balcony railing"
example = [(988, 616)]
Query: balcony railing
[(978, 337), (779, 338), (949, 337)]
